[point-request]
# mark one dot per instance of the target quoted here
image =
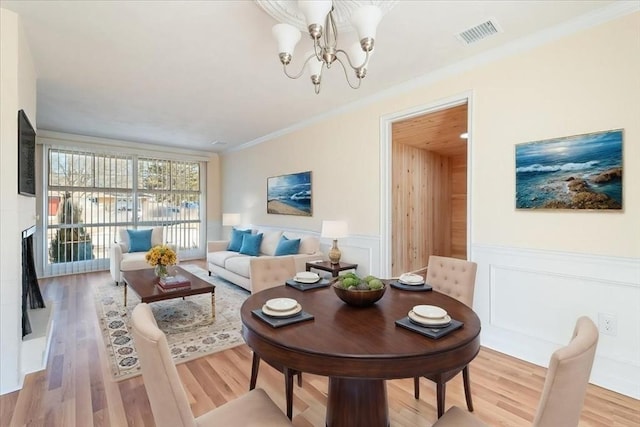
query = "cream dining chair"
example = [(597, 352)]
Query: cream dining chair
[(267, 272), (564, 387), (169, 403), (456, 278)]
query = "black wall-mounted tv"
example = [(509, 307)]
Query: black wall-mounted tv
[(26, 156)]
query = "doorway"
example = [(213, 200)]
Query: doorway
[(426, 205)]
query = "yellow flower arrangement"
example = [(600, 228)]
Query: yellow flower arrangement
[(161, 255)]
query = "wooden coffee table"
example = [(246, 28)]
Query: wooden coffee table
[(145, 284)]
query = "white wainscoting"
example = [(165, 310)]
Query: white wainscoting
[(361, 250), (528, 302), (355, 249)]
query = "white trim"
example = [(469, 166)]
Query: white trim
[(613, 11), (386, 122)]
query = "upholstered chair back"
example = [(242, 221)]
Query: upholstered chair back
[(169, 403), (453, 277), (267, 272), (566, 382)]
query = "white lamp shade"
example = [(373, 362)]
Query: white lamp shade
[(366, 20), (357, 55), (314, 66), (287, 36), (315, 11), (334, 229), (230, 219)]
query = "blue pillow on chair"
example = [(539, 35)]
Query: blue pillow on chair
[(287, 247), (235, 243), (251, 244), (139, 240)]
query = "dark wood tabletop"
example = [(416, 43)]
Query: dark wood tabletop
[(145, 283), (359, 348)]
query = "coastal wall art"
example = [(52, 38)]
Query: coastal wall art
[(289, 194), (574, 172)]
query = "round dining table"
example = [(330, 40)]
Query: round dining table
[(359, 348)]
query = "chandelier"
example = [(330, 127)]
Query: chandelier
[(322, 26)]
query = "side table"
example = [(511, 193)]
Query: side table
[(334, 269)]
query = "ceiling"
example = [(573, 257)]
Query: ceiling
[(190, 73), (439, 132)]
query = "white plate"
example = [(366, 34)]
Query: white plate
[(429, 322), (306, 277), (281, 304), (411, 279), (420, 283), (294, 311), (429, 311)]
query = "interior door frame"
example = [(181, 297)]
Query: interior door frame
[(386, 123)]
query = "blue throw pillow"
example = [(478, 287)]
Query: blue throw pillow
[(139, 240), (251, 244), (287, 247), (235, 243)]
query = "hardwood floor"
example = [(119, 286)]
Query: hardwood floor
[(76, 388)]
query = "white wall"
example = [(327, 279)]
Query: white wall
[(18, 89), (584, 82)]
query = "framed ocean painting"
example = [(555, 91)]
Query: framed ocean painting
[(574, 172), (289, 194)]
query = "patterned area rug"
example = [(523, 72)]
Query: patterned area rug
[(190, 330)]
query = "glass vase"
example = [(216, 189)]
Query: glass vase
[(161, 271)]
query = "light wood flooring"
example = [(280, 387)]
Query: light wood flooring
[(76, 388)]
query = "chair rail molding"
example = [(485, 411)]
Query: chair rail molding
[(528, 301)]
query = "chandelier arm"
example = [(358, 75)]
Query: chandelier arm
[(346, 75), (317, 49), (284, 68), (364, 64)]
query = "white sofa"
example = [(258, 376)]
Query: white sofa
[(123, 260), (234, 266)]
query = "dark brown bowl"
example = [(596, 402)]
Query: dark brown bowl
[(358, 298)]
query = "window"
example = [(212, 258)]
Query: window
[(92, 195)]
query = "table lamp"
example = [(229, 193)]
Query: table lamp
[(334, 230)]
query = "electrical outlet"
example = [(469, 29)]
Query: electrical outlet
[(608, 324)]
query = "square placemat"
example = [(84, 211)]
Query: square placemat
[(429, 331), (277, 322), (322, 283), (416, 288)]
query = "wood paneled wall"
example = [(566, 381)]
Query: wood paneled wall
[(458, 197), (429, 206)]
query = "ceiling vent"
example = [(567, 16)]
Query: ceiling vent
[(479, 32)]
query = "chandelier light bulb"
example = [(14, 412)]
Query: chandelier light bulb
[(315, 11), (366, 20), (357, 55), (287, 36), (314, 66)]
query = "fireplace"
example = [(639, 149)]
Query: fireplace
[(31, 296)]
